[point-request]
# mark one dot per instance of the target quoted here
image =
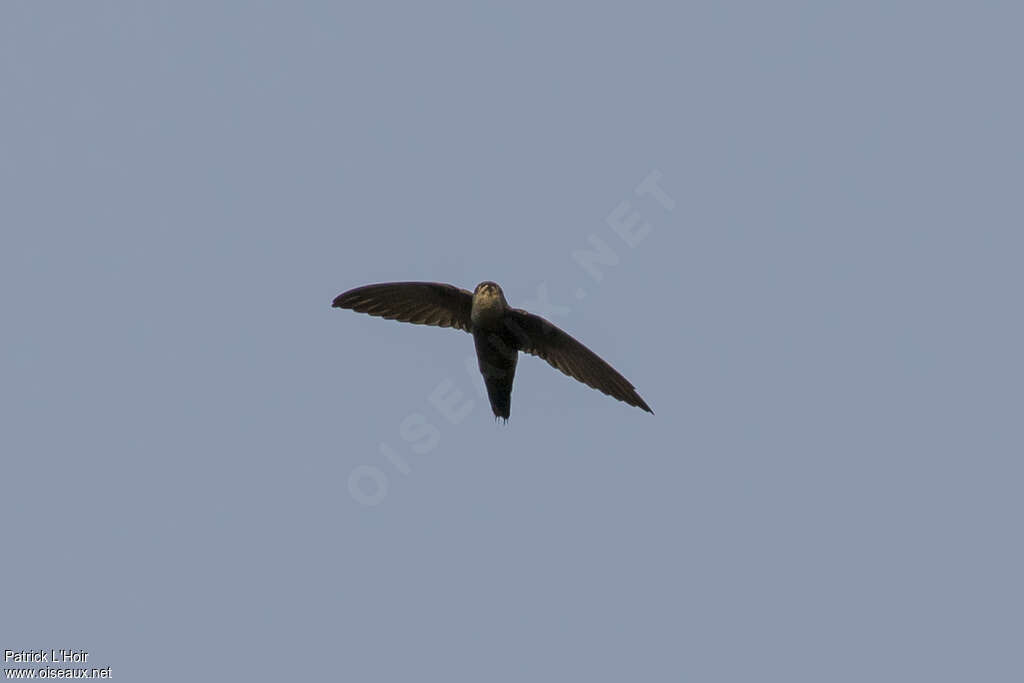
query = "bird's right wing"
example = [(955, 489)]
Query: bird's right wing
[(539, 337), (423, 303)]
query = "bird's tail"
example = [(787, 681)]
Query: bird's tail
[(499, 391)]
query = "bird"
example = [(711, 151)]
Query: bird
[(499, 332)]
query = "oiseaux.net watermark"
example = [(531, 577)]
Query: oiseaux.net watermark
[(52, 663)]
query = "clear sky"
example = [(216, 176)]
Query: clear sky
[(209, 474)]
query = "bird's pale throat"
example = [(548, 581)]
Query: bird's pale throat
[(488, 307)]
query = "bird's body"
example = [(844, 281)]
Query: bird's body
[(496, 349), (499, 334)]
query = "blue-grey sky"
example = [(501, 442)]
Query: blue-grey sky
[(822, 304)]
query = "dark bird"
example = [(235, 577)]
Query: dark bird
[(499, 333)]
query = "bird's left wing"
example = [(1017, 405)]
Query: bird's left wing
[(538, 337), (423, 303)]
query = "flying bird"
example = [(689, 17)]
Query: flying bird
[(499, 332)]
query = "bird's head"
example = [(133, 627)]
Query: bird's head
[(488, 290), (487, 285), (488, 302)]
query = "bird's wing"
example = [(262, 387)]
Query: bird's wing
[(539, 337), (423, 303)]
